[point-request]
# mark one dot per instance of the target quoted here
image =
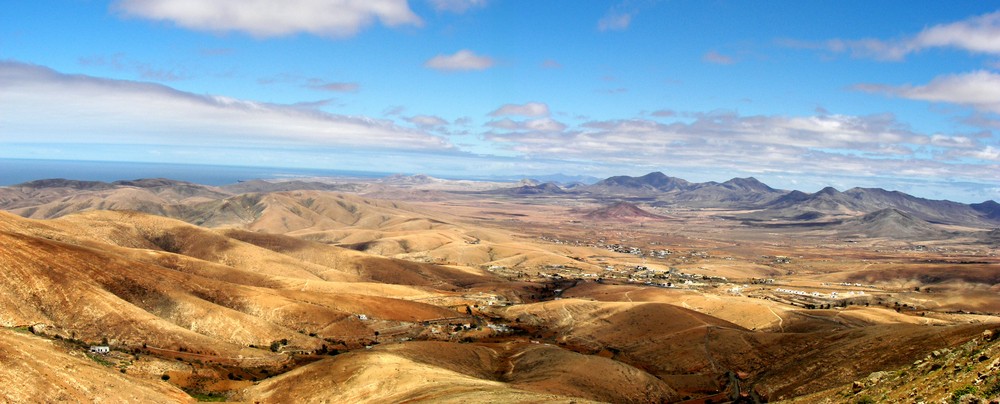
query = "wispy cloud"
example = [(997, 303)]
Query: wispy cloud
[(457, 6), (532, 109), (979, 90), (620, 16), (718, 58), (339, 87), (96, 110), (314, 83), (461, 60), (980, 34), (216, 51), (551, 64), (615, 20), (263, 18), (616, 90), (145, 71)]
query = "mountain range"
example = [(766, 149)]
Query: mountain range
[(751, 201), (770, 204)]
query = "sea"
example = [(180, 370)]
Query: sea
[(16, 171)]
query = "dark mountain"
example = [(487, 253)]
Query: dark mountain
[(649, 183), (861, 200), (827, 200), (622, 211), (735, 193), (749, 184), (749, 193), (64, 183), (989, 209), (153, 183), (790, 199), (892, 223), (547, 188)]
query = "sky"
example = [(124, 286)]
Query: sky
[(902, 95)]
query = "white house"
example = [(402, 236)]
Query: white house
[(100, 349)]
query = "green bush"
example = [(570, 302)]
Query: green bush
[(957, 395)]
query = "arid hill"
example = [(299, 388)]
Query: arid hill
[(622, 211), (39, 370), (892, 223), (444, 372)]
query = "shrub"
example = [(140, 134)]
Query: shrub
[(956, 397)]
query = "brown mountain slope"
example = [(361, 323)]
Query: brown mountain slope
[(91, 291), (90, 295), (969, 373), (25, 360), (53, 198), (691, 352), (450, 372), (265, 254), (377, 227)]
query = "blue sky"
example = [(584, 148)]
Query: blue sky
[(892, 94)]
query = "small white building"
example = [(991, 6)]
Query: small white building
[(100, 349)]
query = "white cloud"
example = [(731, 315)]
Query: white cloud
[(427, 121), (955, 142), (508, 124), (50, 107), (541, 125), (544, 125), (980, 90), (614, 21), (979, 34), (533, 109), (457, 6), (461, 60), (267, 18), (989, 153), (817, 146)]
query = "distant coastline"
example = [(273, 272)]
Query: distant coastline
[(16, 171)]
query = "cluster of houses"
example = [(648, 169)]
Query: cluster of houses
[(831, 295), (618, 248)]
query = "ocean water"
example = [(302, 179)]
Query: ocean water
[(16, 171)]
